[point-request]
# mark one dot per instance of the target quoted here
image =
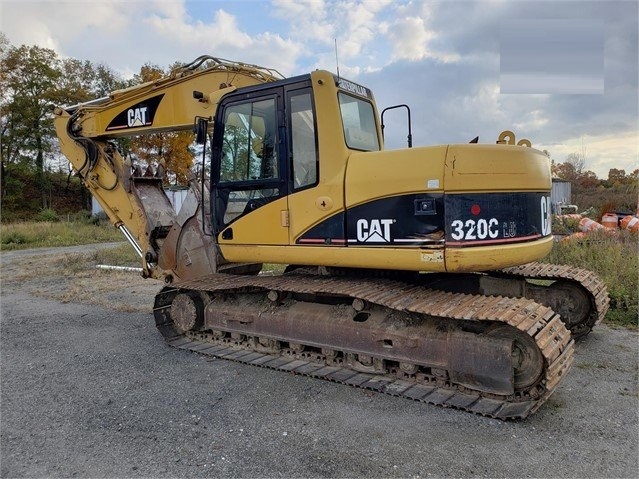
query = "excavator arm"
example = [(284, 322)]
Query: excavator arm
[(169, 244)]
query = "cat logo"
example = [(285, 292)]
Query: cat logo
[(375, 231), (136, 116)]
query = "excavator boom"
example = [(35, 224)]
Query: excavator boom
[(136, 203)]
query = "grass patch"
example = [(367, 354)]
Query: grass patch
[(24, 235), (74, 263), (273, 268), (615, 259), (122, 255)]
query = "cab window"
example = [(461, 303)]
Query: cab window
[(303, 143), (358, 120), (248, 148)]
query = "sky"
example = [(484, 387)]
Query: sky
[(561, 73)]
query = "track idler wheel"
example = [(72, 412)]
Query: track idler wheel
[(528, 360), (187, 312), (572, 303)]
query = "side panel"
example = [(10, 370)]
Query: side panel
[(396, 198), (407, 259), (480, 258), (491, 168), (266, 225), (394, 172), (487, 220), (497, 206), (407, 220), (467, 232), (391, 197)]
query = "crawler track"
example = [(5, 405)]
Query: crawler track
[(540, 323), (593, 288)]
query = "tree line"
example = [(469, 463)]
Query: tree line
[(617, 192), (573, 170), (32, 80)]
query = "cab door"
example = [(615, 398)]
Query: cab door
[(249, 177)]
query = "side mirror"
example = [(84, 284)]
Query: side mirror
[(200, 128)]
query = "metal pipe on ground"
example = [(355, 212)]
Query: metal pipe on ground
[(119, 268)]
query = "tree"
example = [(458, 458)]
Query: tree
[(105, 81), (578, 162), (616, 176), (588, 179), (29, 79), (32, 80), (572, 170), (172, 149)]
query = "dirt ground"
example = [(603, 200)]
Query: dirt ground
[(89, 389)]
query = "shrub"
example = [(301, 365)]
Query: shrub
[(562, 225), (47, 214), (84, 217), (14, 238)]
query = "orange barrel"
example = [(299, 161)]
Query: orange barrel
[(630, 223), (609, 220), (586, 224)]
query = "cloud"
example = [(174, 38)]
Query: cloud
[(409, 37), (532, 122), (415, 33), (355, 25), (55, 24), (309, 20), (223, 31), (222, 35), (126, 35)]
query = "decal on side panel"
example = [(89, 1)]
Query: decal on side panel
[(138, 115), (477, 219), (457, 220), (407, 220)]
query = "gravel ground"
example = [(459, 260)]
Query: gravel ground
[(89, 391)]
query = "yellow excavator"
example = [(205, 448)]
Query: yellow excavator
[(410, 272)]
